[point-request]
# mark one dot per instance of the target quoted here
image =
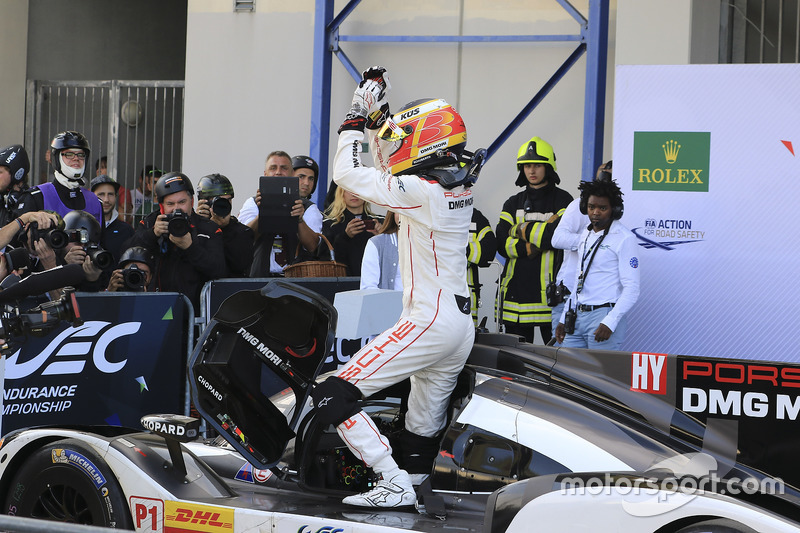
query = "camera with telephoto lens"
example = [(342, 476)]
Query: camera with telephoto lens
[(220, 206), (555, 293), (134, 278), (40, 320), (54, 237), (101, 258), (569, 321), (178, 223)]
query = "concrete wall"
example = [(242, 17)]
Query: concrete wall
[(85, 40), (259, 96), (13, 43)]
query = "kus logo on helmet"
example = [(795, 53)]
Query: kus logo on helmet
[(424, 127)]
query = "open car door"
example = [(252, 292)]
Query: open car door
[(261, 345)]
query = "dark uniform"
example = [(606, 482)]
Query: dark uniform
[(238, 243), (184, 271), (481, 250), (525, 277)]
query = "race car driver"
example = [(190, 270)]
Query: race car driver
[(420, 176)]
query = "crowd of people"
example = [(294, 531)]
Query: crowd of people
[(538, 234), (571, 268)]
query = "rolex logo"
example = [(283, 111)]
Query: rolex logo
[(671, 149), (656, 166)]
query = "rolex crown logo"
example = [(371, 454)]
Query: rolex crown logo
[(671, 149)]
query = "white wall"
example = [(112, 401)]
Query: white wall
[(248, 80)]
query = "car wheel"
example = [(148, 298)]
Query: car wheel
[(66, 481)]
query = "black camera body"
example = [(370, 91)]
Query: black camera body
[(220, 206), (569, 321), (178, 223), (556, 293), (101, 258), (134, 278), (54, 237)]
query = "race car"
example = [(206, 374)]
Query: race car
[(559, 438)]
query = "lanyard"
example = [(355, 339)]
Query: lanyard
[(592, 250)]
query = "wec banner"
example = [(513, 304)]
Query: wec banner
[(126, 360), (707, 157)]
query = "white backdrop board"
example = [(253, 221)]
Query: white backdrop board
[(705, 155)]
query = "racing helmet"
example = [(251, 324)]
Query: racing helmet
[(82, 227), (63, 141), (212, 185), (173, 182), (304, 161), (101, 179), (536, 150), (137, 254), (16, 159), (424, 134)]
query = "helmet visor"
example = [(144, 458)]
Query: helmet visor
[(391, 132)]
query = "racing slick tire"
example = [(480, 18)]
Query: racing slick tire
[(66, 481)]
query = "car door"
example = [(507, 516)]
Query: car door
[(262, 348)]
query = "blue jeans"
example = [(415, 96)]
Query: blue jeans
[(585, 325), (555, 315)]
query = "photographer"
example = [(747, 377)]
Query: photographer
[(83, 248), (188, 248), (273, 251), (14, 167), (214, 193), (19, 227), (69, 151), (134, 272)]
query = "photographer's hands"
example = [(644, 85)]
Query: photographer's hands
[(161, 228)]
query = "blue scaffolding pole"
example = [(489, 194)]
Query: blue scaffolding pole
[(592, 41)]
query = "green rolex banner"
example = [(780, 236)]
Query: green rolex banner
[(671, 160)]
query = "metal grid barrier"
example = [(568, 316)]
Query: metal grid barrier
[(132, 123), (759, 31)]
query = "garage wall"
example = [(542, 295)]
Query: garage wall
[(248, 79)]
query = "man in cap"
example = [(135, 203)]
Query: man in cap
[(115, 230)]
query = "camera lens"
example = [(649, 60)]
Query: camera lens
[(102, 259), (133, 278), (56, 238), (221, 207), (178, 227), (178, 223)]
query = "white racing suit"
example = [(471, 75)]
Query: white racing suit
[(433, 337)]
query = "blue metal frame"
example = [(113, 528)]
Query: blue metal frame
[(593, 41)]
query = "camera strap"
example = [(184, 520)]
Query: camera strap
[(593, 251)]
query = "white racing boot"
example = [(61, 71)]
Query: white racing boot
[(365, 441), (395, 491)]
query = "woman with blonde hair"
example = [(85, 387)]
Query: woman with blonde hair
[(349, 223)]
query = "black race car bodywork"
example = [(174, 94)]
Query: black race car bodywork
[(519, 412)]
